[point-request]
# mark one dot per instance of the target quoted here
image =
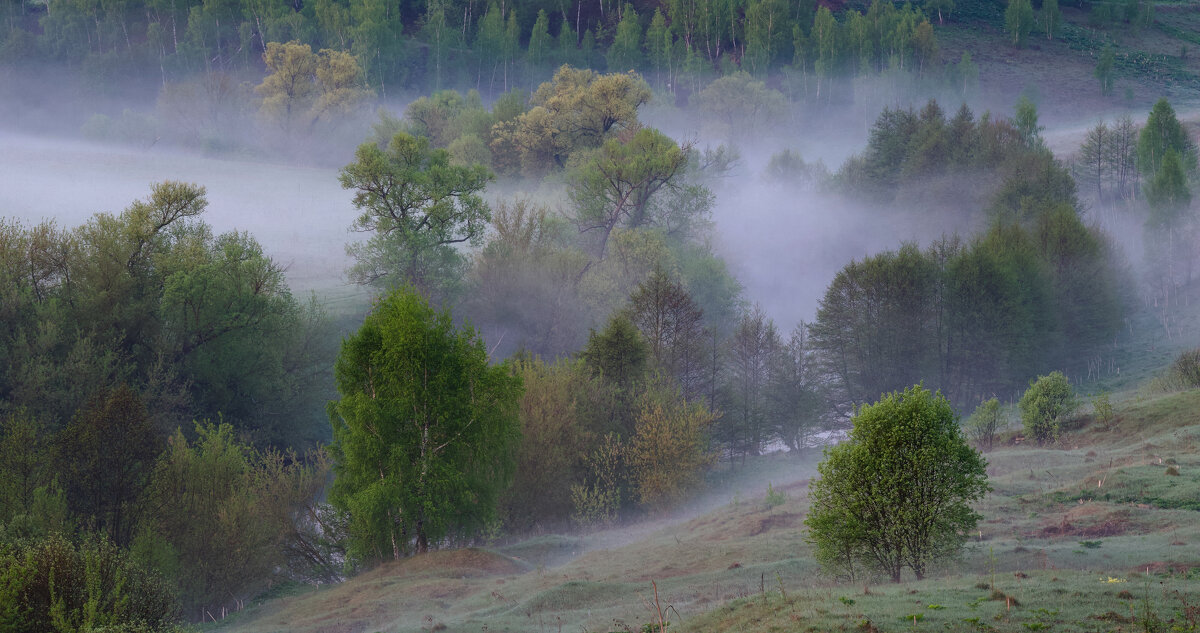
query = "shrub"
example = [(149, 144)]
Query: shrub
[(1047, 401), (52, 584), (984, 423), (1185, 371), (864, 510), (1103, 410), (774, 497)]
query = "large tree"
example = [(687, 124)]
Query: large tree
[(418, 206), (424, 432), (898, 492)]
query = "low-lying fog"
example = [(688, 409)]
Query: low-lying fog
[(299, 214)]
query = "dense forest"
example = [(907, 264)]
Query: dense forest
[(179, 431)]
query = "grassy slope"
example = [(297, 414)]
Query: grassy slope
[(1051, 540)]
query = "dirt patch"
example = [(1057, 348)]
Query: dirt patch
[(757, 524), (1086, 521), (471, 563), (1164, 567)]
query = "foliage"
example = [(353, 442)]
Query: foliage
[(774, 497), (1164, 132), (303, 88), (1102, 409), (555, 440), (669, 451), (54, 584), (741, 104), (1047, 402), (423, 433), (196, 324), (984, 423), (417, 206), (897, 493), (221, 557), (1018, 21)]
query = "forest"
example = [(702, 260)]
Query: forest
[(547, 333)]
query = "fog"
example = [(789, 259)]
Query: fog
[(299, 214)]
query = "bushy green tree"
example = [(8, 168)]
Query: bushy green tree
[(1045, 404), (1018, 21), (984, 423), (416, 205), (1163, 132), (424, 431), (898, 492)]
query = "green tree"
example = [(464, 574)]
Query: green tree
[(625, 53), (1025, 120), (417, 205), (1018, 21), (1167, 193), (1045, 404), (897, 492), (1104, 69), (424, 432), (1051, 17), (984, 423), (1163, 131), (669, 451), (618, 185), (940, 7), (618, 356), (539, 44)]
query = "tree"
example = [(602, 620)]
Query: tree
[(424, 432), (1163, 131), (303, 88), (619, 183), (106, 455), (897, 492), (939, 7), (1104, 69), (418, 206), (673, 326), (539, 43), (1047, 401), (625, 53), (669, 451), (741, 103), (1018, 21), (1051, 17), (1025, 120), (984, 423)]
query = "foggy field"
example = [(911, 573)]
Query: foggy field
[(299, 214)]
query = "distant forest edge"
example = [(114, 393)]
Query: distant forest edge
[(496, 46)]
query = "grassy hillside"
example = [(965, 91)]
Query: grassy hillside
[(1091, 535)]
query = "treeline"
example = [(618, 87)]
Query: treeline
[(490, 46), (114, 505)]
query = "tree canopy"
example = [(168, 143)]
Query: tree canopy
[(897, 493), (424, 430)]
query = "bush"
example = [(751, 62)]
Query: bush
[(52, 584), (774, 497), (1103, 410), (1185, 371), (984, 423), (1045, 404), (864, 509)]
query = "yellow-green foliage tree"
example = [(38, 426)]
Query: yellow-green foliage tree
[(554, 443), (304, 88), (669, 451), (577, 109)]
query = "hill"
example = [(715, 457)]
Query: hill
[(1096, 533)]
